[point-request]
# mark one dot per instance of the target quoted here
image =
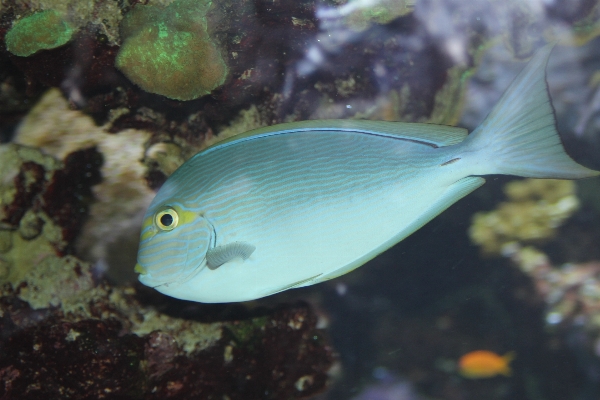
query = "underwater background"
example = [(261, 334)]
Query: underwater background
[(101, 100)]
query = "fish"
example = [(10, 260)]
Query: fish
[(485, 364), (295, 204)]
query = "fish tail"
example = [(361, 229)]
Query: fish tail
[(519, 136), (508, 357)]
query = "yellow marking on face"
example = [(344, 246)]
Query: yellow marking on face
[(186, 216), (140, 270), (179, 217), (147, 228)]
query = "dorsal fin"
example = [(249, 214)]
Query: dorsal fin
[(220, 255), (435, 135)]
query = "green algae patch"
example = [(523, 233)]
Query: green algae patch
[(245, 330), (40, 31), (168, 51)]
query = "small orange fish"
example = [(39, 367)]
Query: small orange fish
[(485, 364)]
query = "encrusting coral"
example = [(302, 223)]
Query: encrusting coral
[(122, 196), (47, 29), (168, 50), (42, 204), (70, 16)]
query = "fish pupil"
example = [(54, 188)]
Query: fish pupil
[(166, 220)]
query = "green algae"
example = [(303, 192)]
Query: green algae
[(40, 31), (244, 331), (168, 51)]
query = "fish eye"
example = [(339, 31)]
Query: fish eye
[(167, 219)]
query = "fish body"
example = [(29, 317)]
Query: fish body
[(296, 204), (485, 364)]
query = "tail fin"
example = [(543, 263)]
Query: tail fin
[(519, 136), (508, 357)]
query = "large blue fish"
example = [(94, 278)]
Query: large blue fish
[(295, 204)]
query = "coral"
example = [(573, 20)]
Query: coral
[(39, 291), (66, 196), (166, 156), (169, 52), (40, 31), (122, 196), (104, 15), (83, 67), (571, 296), (536, 208), (52, 359), (571, 291), (245, 121), (67, 285), (287, 358), (284, 358), (42, 205), (360, 14)]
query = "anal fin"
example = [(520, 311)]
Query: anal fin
[(304, 282)]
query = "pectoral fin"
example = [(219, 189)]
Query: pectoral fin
[(220, 255)]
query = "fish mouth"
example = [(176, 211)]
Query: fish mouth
[(148, 281), (146, 278)]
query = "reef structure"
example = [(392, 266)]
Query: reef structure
[(64, 334), (536, 207), (42, 205), (49, 354)]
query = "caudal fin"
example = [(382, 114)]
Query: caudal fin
[(507, 358), (519, 136)]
